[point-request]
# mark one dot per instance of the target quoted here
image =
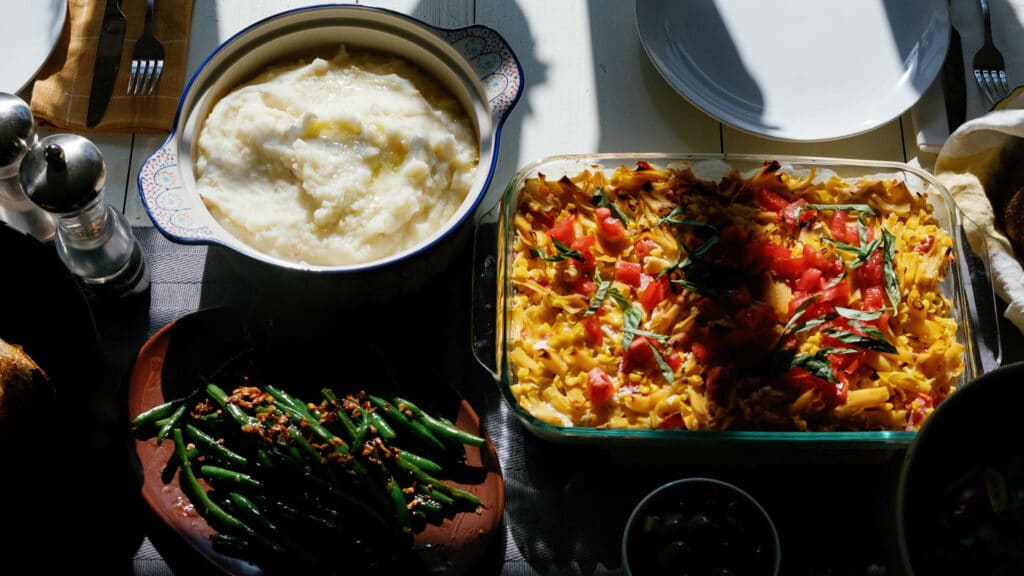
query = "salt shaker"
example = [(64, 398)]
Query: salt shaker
[(17, 136), (64, 174)]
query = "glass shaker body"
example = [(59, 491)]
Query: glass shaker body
[(96, 244)]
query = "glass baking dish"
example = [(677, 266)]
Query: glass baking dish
[(967, 285)]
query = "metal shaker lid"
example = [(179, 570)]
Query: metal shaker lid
[(63, 173), (17, 129)]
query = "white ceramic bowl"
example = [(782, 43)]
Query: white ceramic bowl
[(700, 526), (474, 63)]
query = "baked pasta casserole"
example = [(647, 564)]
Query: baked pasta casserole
[(647, 297)]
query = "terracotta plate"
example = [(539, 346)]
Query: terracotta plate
[(169, 365)]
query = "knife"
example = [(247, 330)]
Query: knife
[(954, 86), (108, 60)]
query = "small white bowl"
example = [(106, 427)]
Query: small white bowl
[(475, 63), (686, 524)]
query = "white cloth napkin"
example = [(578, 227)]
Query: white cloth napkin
[(929, 114), (967, 164)]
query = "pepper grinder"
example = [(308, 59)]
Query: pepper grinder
[(64, 174), (17, 136)]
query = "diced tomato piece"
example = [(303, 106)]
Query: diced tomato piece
[(628, 273), (793, 212), (644, 246), (838, 295), (917, 409), (585, 286), (873, 298), (788, 268), (832, 393), (599, 387), (642, 165), (871, 271), (837, 225), (638, 355), (564, 231), (769, 200), (654, 293), (808, 279), (700, 351), (583, 245), (820, 261), (672, 422), (609, 226), (592, 327), (673, 359), (924, 246)]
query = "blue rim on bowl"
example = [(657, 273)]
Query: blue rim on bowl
[(475, 63), (662, 495)]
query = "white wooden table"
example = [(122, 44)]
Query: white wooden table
[(589, 87)]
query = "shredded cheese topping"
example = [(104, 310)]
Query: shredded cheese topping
[(649, 298)]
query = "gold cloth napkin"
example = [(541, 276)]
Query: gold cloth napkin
[(972, 166), (60, 94)]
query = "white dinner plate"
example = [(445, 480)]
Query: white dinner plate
[(798, 70), (28, 33)]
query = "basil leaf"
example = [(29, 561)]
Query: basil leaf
[(811, 324), (865, 253), (878, 343), (601, 200), (630, 320), (696, 288), (563, 253), (666, 370), (799, 312), (875, 334), (659, 338), (817, 365), (835, 281), (599, 295), (853, 314), (674, 218), (858, 207), (892, 286), (842, 246), (862, 230), (631, 316)]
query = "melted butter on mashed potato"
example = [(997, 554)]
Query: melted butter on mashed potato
[(336, 162)]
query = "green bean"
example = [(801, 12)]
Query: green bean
[(155, 413), (438, 427), (252, 512), (169, 423), (285, 398), (400, 420), (425, 478), (237, 414), (381, 425), (238, 478), (348, 427), (206, 506), (362, 428), (422, 463), (213, 446)]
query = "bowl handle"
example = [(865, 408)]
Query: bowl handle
[(173, 211), (494, 63), (484, 320)]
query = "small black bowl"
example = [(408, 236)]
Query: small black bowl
[(700, 526), (960, 508)]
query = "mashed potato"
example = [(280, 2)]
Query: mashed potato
[(336, 162)]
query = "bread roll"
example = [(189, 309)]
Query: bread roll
[(19, 374), (1013, 222)]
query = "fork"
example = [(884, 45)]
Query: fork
[(989, 68), (147, 59)]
